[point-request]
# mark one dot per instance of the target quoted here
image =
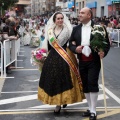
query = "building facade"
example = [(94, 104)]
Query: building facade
[(104, 7), (50, 6), (21, 7), (41, 7), (99, 7), (79, 5), (113, 7)]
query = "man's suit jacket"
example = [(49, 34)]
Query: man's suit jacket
[(76, 37)]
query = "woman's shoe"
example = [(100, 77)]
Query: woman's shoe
[(57, 111), (65, 105)]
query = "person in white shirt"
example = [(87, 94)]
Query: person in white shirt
[(38, 31), (110, 32), (32, 24), (27, 35), (21, 31)]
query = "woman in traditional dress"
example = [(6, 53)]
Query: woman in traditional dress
[(21, 31), (27, 35), (42, 37), (35, 40), (59, 80)]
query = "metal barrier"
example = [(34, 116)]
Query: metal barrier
[(1, 58), (17, 52), (9, 53), (116, 36)]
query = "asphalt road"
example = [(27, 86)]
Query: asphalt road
[(18, 99)]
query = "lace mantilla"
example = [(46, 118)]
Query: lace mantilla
[(64, 36)]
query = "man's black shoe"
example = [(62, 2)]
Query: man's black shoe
[(93, 116), (86, 114)]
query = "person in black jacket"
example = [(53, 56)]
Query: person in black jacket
[(10, 33), (89, 65)]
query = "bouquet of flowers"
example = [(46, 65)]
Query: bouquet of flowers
[(98, 42), (38, 57), (35, 42), (33, 32)]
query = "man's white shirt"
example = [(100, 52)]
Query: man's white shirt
[(85, 41)]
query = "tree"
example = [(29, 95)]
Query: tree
[(7, 3)]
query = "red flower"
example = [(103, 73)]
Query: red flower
[(38, 56)]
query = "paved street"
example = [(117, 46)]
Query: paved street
[(18, 99)]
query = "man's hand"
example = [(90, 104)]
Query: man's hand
[(79, 49), (101, 54)]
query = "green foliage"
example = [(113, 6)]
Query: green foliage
[(98, 42), (7, 3)]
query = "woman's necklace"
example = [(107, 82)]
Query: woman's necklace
[(57, 33)]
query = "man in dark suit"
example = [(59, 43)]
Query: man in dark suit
[(89, 60)]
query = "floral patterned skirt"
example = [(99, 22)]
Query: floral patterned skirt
[(58, 85)]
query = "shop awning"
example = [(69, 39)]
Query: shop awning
[(23, 3)]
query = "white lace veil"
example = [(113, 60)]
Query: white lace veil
[(51, 24), (66, 22)]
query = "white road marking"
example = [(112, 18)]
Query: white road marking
[(25, 69), (2, 80), (44, 109), (18, 99), (100, 97), (6, 77), (33, 80), (111, 94), (19, 92)]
